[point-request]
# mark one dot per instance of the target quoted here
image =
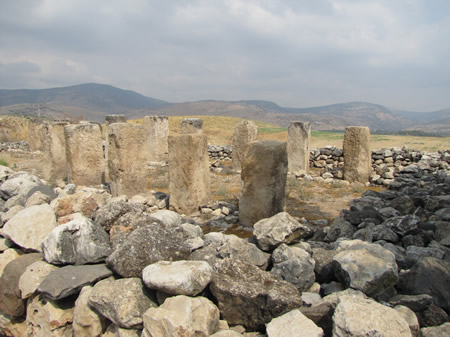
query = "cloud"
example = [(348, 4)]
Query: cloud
[(295, 52)]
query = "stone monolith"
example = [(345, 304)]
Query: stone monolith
[(263, 181), (189, 181), (244, 133), (299, 136), (357, 157), (129, 151), (36, 135), (158, 133), (191, 125), (84, 152), (54, 149)]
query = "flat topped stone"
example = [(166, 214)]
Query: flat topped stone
[(191, 125), (69, 280)]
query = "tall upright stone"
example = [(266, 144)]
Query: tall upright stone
[(110, 119), (191, 125), (36, 135), (244, 133), (357, 157), (158, 133), (263, 181), (299, 137), (84, 152), (129, 151), (54, 149), (189, 181)]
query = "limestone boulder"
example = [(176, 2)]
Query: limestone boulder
[(356, 316), (429, 276), (122, 301), (32, 277), (79, 241), (86, 322), (436, 331), (11, 302), (278, 229), (365, 266), (12, 327), (6, 216), (411, 318), (146, 245), (84, 202), (182, 316), (69, 280), (114, 330), (178, 277), (226, 333), (49, 318), (293, 323), (7, 256), (38, 198), (168, 218), (110, 214), (19, 184), (294, 265), (251, 297), (263, 181), (219, 246), (31, 226)]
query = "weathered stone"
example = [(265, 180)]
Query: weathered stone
[(38, 198), (321, 315), (158, 130), (402, 225), (19, 184), (122, 301), (189, 181), (114, 330), (278, 229), (410, 318), (178, 277), (6, 216), (365, 266), (79, 241), (249, 296), (69, 280), (294, 265), (146, 245), (432, 316), (355, 316), (84, 202), (109, 119), (129, 151), (263, 181), (429, 276), (33, 276), (54, 149), (357, 161), (47, 318), (111, 213), (226, 333), (167, 218), (84, 153), (11, 303), (30, 227), (182, 316), (293, 323), (191, 125), (7, 256), (4, 245), (436, 331), (12, 327), (323, 264), (245, 132), (86, 322), (299, 136), (414, 302), (219, 246)]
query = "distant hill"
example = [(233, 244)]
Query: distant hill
[(94, 101)]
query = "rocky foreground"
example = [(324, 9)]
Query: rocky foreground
[(75, 261)]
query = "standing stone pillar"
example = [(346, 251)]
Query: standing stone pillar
[(189, 181), (299, 137), (54, 148), (191, 125), (110, 119), (36, 135), (357, 157), (244, 133), (158, 132), (84, 152), (263, 181), (128, 156)]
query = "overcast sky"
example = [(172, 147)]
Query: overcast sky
[(297, 53)]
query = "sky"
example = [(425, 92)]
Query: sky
[(297, 53)]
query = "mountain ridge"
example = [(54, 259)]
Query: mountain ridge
[(94, 101)]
